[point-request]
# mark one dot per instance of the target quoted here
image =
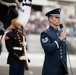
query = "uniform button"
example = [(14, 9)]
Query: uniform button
[(20, 48), (57, 34), (18, 37), (61, 56), (60, 49), (19, 40), (61, 53)]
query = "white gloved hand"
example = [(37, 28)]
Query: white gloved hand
[(22, 58)]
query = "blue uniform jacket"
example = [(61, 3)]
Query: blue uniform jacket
[(55, 62)]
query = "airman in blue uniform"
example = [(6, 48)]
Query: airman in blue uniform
[(54, 45)]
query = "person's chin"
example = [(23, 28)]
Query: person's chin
[(57, 24)]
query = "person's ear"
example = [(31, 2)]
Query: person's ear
[(50, 19)]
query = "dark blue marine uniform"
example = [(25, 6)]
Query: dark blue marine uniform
[(13, 42), (55, 62)]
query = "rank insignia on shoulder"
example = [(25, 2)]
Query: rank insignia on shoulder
[(7, 38), (45, 40)]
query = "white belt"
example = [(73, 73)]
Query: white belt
[(17, 48)]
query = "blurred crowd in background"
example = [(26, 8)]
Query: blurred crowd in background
[(37, 23)]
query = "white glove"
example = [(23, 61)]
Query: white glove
[(24, 43), (22, 58)]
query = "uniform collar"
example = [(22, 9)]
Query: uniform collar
[(52, 28), (18, 30)]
